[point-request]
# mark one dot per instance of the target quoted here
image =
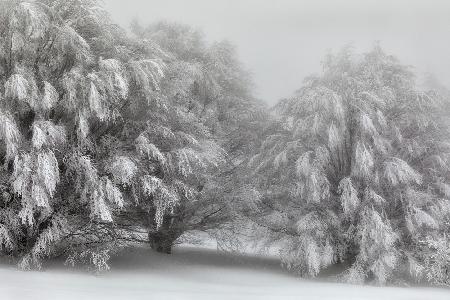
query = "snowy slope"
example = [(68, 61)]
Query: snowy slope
[(190, 274)]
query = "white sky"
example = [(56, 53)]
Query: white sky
[(282, 41)]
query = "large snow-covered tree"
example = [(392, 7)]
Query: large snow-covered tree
[(358, 172), (66, 80), (185, 138), (104, 135)]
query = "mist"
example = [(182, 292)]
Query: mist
[(282, 42), (226, 149)]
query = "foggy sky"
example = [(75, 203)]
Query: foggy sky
[(282, 41)]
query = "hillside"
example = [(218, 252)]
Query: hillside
[(190, 273)]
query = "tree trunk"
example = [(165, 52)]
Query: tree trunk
[(161, 241)]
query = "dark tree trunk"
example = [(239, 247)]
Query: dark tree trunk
[(162, 241)]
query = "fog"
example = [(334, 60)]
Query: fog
[(192, 274), (168, 180), (283, 41)]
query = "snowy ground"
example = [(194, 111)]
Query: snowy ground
[(190, 273)]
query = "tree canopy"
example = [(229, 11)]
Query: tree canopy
[(357, 172)]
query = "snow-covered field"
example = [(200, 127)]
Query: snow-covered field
[(190, 273)]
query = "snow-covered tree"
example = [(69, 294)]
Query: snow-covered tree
[(358, 171), (66, 78), (180, 136), (104, 135)]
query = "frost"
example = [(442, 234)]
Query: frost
[(363, 161), (39, 195), (113, 194), (424, 219), (6, 240), (303, 166), (163, 197), (83, 126), (349, 196), (280, 160), (122, 169), (334, 137), (367, 125), (96, 103), (144, 146), (47, 134), (50, 96), (48, 170), (10, 134), (150, 184), (398, 171), (16, 87), (99, 209), (148, 73)]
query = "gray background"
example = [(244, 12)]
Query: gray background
[(283, 41)]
